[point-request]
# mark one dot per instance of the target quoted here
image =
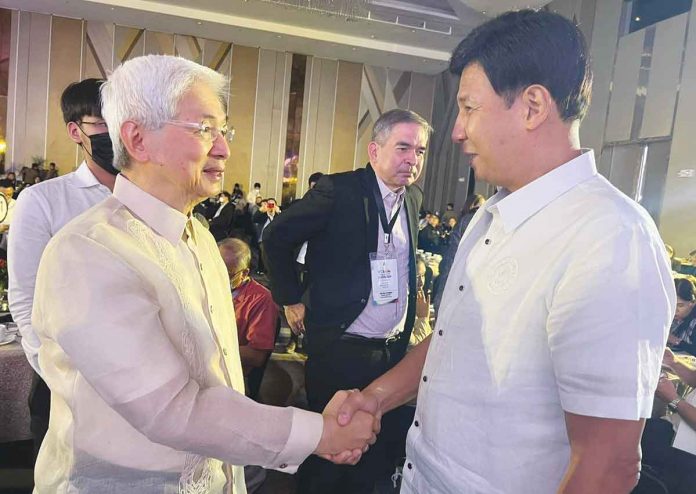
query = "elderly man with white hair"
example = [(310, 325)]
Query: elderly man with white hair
[(137, 329)]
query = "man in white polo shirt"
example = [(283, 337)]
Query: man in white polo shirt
[(43, 209), (547, 348)]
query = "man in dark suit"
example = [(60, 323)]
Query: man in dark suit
[(360, 226)]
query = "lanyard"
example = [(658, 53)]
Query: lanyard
[(387, 227)]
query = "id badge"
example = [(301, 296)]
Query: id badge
[(385, 278)]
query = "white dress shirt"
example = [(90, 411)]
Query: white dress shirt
[(387, 320), (139, 347), (560, 298), (41, 211)]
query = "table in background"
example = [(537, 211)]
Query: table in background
[(15, 385)]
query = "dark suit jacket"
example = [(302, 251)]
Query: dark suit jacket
[(221, 225), (339, 219)]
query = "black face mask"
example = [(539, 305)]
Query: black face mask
[(102, 152)]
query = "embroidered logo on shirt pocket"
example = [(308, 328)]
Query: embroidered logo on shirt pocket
[(502, 275)]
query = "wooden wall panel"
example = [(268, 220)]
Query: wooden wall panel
[(241, 110), (29, 105), (345, 128), (677, 218), (158, 43), (270, 121), (66, 41)]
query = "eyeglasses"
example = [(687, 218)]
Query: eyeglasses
[(207, 132), (99, 123)]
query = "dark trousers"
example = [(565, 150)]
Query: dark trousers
[(39, 410), (674, 467), (348, 365)]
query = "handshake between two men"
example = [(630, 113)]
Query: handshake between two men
[(351, 424)]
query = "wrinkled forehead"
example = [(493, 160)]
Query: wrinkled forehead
[(202, 103)]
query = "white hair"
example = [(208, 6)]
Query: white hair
[(147, 90)]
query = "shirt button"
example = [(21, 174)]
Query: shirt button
[(362, 300), (416, 423), (440, 332), (343, 326), (425, 379), (488, 241), (201, 266), (211, 309), (283, 465), (224, 352), (461, 288), (409, 466)]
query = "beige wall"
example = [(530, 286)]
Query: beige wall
[(644, 94), (341, 99)]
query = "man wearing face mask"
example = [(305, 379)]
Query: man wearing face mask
[(43, 209)]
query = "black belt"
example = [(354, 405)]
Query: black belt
[(372, 342)]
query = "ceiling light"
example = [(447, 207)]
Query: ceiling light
[(637, 19)]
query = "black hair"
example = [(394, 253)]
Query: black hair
[(687, 292), (80, 99), (526, 47), (256, 184), (226, 194), (685, 289), (314, 178)]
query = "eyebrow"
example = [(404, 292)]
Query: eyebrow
[(408, 144), (213, 117)]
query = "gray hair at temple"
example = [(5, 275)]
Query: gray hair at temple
[(147, 90), (387, 120), (236, 254)]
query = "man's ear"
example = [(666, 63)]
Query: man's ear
[(74, 132), (372, 151), (133, 140), (538, 105)]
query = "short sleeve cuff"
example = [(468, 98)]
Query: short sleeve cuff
[(305, 434), (623, 408)]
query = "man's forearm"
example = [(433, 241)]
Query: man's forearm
[(252, 358), (595, 475), (400, 384)]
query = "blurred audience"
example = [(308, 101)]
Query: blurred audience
[(682, 337)]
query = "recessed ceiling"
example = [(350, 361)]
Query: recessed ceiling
[(415, 35)]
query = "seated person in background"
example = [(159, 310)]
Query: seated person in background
[(421, 326), (675, 465), (254, 309), (681, 336), (692, 257), (429, 237), (221, 223), (9, 181), (449, 213)]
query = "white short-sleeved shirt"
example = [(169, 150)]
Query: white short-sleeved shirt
[(560, 299)]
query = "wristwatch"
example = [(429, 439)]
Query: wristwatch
[(672, 405)]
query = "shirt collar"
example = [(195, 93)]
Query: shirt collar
[(162, 218), (517, 207), (385, 191), (85, 177)]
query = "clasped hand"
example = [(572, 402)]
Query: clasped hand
[(351, 424)]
